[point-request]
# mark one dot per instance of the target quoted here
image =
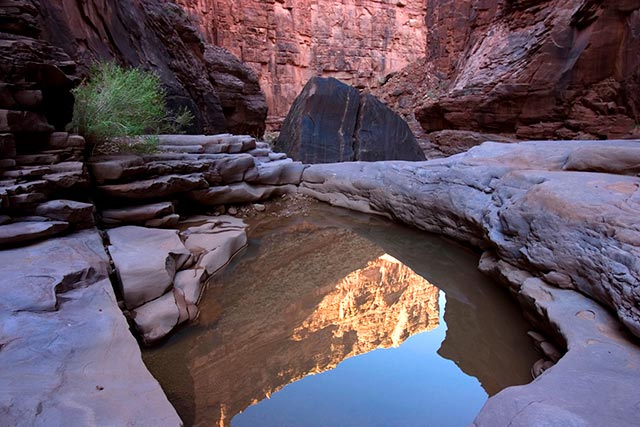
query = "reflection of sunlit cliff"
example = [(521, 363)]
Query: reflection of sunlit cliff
[(383, 303), (306, 300)]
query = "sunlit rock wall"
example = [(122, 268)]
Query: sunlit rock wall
[(286, 42)]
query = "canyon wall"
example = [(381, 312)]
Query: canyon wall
[(552, 69), (221, 92), (286, 42)]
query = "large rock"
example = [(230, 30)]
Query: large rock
[(382, 134), (332, 122), (547, 225), (72, 358), (146, 260)]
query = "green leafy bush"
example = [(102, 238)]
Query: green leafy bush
[(114, 102)]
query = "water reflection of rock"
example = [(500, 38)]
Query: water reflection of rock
[(485, 329), (307, 299), (383, 303)]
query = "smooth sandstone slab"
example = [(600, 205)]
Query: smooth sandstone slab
[(279, 172), (215, 243), (32, 277), (157, 187), (600, 362), (575, 230), (19, 232), (191, 283), (239, 193), (146, 260), (156, 318), (67, 210), (67, 354), (138, 213)]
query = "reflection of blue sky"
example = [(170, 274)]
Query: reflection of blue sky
[(408, 386)]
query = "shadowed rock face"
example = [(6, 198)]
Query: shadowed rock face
[(332, 122), (288, 42), (221, 92), (551, 69)]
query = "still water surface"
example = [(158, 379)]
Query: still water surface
[(342, 319)]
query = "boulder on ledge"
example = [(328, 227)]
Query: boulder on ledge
[(332, 122)]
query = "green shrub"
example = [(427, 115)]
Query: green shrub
[(115, 102)]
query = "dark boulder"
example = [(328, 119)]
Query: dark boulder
[(332, 122), (382, 134)]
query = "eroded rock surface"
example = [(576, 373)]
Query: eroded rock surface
[(573, 229), (551, 69), (163, 272), (332, 122), (65, 345), (599, 360)]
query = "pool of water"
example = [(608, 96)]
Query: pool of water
[(342, 319)]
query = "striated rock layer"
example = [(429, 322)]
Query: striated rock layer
[(551, 69), (221, 92), (287, 42)]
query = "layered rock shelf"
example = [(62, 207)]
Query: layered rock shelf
[(558, 224), (189, 171)]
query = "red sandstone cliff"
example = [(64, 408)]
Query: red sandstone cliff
[(223, 93), (287, 42), (551, 69)]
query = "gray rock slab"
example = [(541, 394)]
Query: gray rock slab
[(155, 188), (155, 319), (239, 193), (146, 260), (19, 232), (191, 283), (183, 148), (67, 354), (600, 361), (67, 210), (33, 277), (215, 242), (279, 172), (112, 168), (138, 213)]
